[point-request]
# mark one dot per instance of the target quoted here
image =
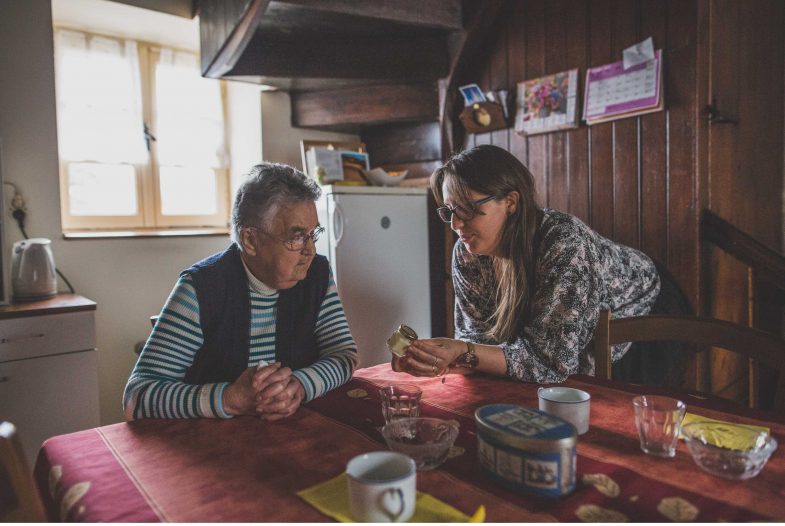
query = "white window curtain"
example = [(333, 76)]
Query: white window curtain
[(189, 114), (99, 108)]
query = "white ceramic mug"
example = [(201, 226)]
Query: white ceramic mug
[(572, 405), (382, 487)]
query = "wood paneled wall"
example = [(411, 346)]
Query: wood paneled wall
[(634, 180), (745, 52), (643, 181)]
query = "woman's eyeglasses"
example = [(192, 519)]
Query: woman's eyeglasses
[(298, 241), (446, 212)]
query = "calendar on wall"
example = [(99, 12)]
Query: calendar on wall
[(613, 92)]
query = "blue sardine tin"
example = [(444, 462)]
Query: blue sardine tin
[(527, 449)]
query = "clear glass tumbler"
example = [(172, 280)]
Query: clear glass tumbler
[(400, 401), (658, 419)]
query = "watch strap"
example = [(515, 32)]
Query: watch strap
[(468, 359)]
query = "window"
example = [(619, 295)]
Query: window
[(141, 137)]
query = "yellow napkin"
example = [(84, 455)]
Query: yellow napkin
[(727, 437), (332, 499)]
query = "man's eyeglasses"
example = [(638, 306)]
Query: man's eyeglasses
[(298, 241), (446, 212)]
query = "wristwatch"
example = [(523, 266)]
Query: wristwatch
[(468, 359)]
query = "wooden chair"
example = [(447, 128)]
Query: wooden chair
[(19, 499), (753, 343)]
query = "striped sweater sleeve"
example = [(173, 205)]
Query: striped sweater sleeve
[(337, 350), (155, 388)]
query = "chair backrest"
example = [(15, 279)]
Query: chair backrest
[(19, 499), (753, 343)]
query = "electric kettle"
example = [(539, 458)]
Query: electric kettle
[(33, 270)]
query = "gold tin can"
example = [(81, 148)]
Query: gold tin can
[(400, 339)]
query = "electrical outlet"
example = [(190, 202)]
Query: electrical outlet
[(18, 202)]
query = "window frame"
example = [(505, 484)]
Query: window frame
[(149, 219)]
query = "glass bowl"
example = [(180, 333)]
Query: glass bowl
[(426, 440), (742, 454), (380, 177)]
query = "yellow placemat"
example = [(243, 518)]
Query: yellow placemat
[(727, 437), (332, 499)]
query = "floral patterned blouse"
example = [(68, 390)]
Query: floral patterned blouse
[(578, 274)]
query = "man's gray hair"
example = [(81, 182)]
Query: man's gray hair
[(266, 188)]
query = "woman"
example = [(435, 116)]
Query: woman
[(256, 329), (529, 282)]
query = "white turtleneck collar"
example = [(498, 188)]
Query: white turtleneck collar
[(256, 284)]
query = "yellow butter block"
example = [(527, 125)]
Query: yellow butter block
[(479, 515), (728, 437)]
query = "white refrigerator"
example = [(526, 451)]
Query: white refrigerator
[(377, 242)]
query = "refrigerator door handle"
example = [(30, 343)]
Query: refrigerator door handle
[(338, 222)]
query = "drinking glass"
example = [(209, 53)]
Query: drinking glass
[(400, 401), (658, 419)]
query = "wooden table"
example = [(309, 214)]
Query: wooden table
[(248, 470)]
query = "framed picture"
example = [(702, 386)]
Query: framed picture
[(341, 163), (324, 164), (471, 94), (355, 165), (547, 103)]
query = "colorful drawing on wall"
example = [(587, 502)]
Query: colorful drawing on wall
[(547, 103)]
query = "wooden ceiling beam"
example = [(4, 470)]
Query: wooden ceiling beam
[(365, 106), (225, 28), (436, 14), (308, 56)]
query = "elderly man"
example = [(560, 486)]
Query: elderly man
[(256, 329)]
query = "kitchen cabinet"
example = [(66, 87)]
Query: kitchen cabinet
[(48, 368)]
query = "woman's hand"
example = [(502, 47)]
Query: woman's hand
[(429, 357), (239, 397), (283, 404)]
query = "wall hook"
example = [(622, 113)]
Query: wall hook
[(714, 116)]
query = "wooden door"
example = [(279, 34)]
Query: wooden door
[(745, 158)]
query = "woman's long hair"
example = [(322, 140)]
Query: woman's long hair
[(491, 170)]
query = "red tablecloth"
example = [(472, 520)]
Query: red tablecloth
[(248, 470)]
